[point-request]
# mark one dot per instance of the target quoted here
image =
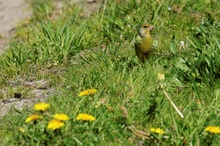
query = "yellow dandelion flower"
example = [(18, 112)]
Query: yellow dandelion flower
[(208, 128), (213, 129), (88, 92), (55, 124), (85, 117), (157, 130), (33, 117), (160, 76), (41, 106), (61, 117)]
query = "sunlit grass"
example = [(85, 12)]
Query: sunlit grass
[(109, 96)]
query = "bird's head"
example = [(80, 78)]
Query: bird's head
[(145, 30)]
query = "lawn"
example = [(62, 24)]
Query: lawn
[(105, 94)]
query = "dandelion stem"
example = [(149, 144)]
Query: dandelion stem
[(174, 106)]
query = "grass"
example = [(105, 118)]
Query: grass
[(76, 53)]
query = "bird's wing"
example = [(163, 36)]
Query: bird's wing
[(139, 54)]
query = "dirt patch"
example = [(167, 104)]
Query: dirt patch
[(39, 91), (11, 13)]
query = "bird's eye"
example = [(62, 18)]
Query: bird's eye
[(145, 26)]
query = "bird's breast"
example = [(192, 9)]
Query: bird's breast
[(145, 46)]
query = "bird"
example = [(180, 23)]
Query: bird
[(143, 44)]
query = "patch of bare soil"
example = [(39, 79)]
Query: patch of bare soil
[(11, 12)]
